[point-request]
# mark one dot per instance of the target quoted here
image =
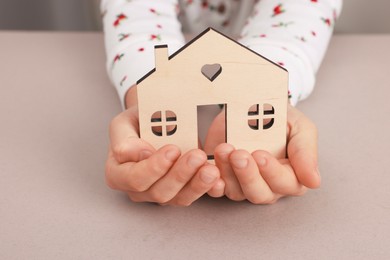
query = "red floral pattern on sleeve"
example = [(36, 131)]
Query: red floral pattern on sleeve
[(278, 21)]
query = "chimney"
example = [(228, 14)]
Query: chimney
[(161, 56)]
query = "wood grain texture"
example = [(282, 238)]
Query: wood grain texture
[(244, 79)]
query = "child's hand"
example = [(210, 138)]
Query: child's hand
[(161, 176), (260, 177)]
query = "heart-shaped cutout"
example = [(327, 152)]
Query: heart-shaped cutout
[(211, 71)]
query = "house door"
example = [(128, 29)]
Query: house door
[(210, 137)]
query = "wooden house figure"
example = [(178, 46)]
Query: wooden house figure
[(252, 88)]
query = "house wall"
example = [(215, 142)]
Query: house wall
[(263, 82)]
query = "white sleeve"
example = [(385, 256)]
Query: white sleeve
[(294, 34), (132, 29)]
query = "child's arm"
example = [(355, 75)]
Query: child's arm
[(131, 61), (294, 34), (132, 29)]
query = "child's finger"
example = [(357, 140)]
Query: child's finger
[(218, 190), (216, 133), (178, 176), (132, 149), (302, 149), (206, 177), (232, 187), (256, 190), (279, 177), (140, 176), (125, 142)]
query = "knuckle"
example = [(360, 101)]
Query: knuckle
[(118, 151), (110, 184), (155, 167), (108, 178)]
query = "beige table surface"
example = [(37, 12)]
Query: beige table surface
[(56, 103)]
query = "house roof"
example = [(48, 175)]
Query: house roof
[(197, 38)]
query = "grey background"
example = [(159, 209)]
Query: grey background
[(54, 203), (359, 16)]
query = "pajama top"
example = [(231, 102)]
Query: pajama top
[(292, 33)]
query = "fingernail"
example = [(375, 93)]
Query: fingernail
[(195, 161), (144, 154), (171, 154), (207, 177), (240, 163)]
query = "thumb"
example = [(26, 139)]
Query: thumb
[(302, 148), (124, 137)]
